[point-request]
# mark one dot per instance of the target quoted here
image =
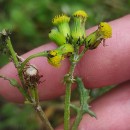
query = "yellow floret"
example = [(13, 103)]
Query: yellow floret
[(105, 30), (54, 58), (80, 13), (53, 52), (60, 19)]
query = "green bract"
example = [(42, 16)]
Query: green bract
[(66, 48), (103, 32), (78, 25), (57, 37), (56, 56)]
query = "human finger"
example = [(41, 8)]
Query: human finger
[(102, 66)]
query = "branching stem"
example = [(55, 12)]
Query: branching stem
[(84, 103), (13, 53), (40, 54), (42, 116), (69, 79), (23, 89), (39, 110)]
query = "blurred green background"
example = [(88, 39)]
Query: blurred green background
[(30, 22)]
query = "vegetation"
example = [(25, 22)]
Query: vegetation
[(29, 22)]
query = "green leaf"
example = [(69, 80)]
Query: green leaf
[(84, 98)]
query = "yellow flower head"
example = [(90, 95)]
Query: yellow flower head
[(105, 30), (54, 58), (60, 19), (53, 52), (80, 13)]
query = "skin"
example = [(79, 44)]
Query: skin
[(100, 67)]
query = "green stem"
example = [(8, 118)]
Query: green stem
[(24, 90), (43, 117), (74, 60), (16, 63), (74, 107), (67, 107), (77, 120), (36, 94), (39, 110), (68, 82), (32, 93), (82, 53), (45, 53), (13, 53)]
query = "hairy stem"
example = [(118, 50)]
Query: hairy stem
[(82, 53), (16, 63), (36, 95), (23, 89), (39, 110), (77, 120), (69, 79), (43, 117), (67, 107), (14, 83), (13, 53)]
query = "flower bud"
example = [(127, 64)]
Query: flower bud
[(62, 23), (78, 25), (55, 58), (57, 37), (103, 32)]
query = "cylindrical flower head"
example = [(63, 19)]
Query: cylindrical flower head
[(78, 25), (54, 58), (103, 32), (57, 37), (62, 23)]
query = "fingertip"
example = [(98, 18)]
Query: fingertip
[(100, 67)]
